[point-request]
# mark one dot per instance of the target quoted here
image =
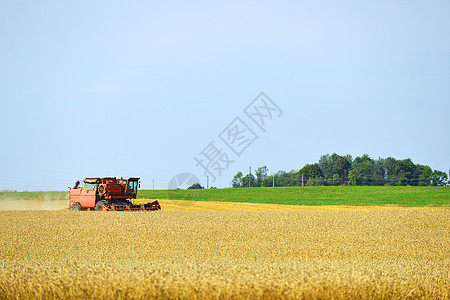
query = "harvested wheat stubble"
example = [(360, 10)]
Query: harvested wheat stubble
[(225, 255)]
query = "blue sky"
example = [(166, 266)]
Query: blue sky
[(112, 88)]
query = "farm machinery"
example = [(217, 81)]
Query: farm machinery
[(108, 194)]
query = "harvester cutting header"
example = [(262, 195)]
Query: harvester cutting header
[(108, 193)]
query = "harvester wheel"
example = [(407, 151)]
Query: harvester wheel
[(99, 205), (77, 207)]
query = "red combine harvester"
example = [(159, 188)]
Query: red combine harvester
[(108, 193)]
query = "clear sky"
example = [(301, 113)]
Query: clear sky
[(140, 88)]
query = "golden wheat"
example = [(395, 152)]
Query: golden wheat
[(225, 255), (186, 205)]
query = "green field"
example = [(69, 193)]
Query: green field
[(340, 195)]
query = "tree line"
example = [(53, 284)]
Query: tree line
[(334, 170)]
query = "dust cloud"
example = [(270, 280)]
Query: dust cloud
[(41, 204)]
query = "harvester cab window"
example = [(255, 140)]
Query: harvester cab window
[(132, 187), (90, 186)]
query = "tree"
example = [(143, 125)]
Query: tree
[(261, 175), (293, 178), (326, 164), (349, 158), (335, 164), (195, 186), (407, 172), (337, 169), (391, 170), (380, 174), (245, 181), (351, 177), (310, 171), (364, 167), (318, 181), (425, 175), (439, 178), (341, 167), (280, 178), (268, 181), (237, 180), (337, 180)]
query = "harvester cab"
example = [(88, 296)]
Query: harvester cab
[(108, 193)]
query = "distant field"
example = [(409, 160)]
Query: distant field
[(341, 195)]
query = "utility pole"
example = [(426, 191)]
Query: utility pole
[(249, 176), (273, 180), (302, 179), (207, 179), (153, 181)]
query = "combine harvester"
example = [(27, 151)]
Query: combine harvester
[(108, 194)]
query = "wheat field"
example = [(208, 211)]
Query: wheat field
[(371, 254), (211, 206)]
